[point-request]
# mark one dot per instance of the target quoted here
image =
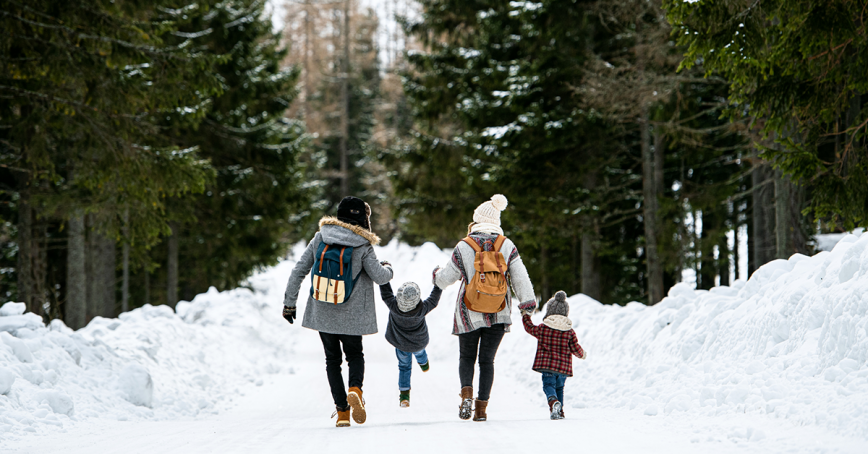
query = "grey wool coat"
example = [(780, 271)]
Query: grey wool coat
[(357, 316)]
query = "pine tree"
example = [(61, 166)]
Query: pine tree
[(246, 217), (85, 85), (797, 69)]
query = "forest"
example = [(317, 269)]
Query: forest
[(150, 150)]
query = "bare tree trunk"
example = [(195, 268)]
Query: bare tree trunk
[(147, 286), (649, 213), (736, 238), (345, 103), (723, 258), (25, 250), (783, 236), (125, 285), (76, 274), (659, 162), (589, 263), (590, 269), (307, 88), (101, 279), (543, 264), (39, 253), (763, 218), (172, 267)]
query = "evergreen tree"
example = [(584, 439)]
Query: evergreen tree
[(797, 69), (248, 214), (85, 85)]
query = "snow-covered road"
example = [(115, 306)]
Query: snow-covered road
[(230, 375), (290, 413)]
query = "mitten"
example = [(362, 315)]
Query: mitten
[(289, 314), (527, 306), (434, 275)]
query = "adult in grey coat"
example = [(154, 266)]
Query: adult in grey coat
[(341, 326)]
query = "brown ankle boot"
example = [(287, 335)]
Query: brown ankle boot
[(343, 417), (354, 398), (466, 406), (480, 410)]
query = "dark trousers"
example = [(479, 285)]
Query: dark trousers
[(352, 346), (483, 342)]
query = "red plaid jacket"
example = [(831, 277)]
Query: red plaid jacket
[(554, 348)]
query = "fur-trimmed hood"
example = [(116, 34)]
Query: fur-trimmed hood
[(558, 322), (335, 231)]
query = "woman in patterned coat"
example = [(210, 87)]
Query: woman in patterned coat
[(479, 334)]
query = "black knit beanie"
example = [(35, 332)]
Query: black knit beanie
[(355, 211)]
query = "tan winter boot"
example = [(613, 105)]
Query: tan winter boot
[(480, 415), (343, 417), (354, 398), (466, 406)]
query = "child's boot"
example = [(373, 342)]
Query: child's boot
[(405, 398), (466, 406), (480, 415), (354, 398), (425, 366), (554, 409), (343, 415)]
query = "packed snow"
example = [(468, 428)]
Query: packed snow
[(775, 364)]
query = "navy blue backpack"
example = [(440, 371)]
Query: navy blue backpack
[(332, 277)]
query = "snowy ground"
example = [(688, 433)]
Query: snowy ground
[(777, 364)]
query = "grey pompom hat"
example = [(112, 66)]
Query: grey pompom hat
[(408, 296), (558, 305)]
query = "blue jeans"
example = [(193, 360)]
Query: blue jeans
[(405, 366), (553, 386)]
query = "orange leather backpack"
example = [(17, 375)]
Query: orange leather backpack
[(486, 291)]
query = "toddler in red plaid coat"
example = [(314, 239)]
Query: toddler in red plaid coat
[(555, 346)]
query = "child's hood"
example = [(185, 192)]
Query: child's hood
[(558, 322)]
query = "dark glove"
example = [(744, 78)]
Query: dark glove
[(289, 314)]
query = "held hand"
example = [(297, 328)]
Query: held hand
[(289, 314), (527, 307), (385, 263), (434, 275)]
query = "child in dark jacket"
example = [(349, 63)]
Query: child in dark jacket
[(407, 330), (555, 346)]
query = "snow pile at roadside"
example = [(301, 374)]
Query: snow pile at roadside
[(791, 342), (827, 241), (150, 363)]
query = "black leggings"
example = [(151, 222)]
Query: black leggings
[(352, 346), (485, 341)]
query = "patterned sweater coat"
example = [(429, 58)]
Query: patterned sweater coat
[(460, 267), (556, 344)]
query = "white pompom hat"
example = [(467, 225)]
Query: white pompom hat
[(489, 211)]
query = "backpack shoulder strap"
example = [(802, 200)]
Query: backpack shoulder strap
[(472, 244), (498, 243)]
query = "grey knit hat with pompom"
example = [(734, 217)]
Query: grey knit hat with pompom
[(408, 296), (558, 305)]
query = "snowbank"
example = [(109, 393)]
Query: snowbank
[(150, 363), (827, 241), (791, 342)]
